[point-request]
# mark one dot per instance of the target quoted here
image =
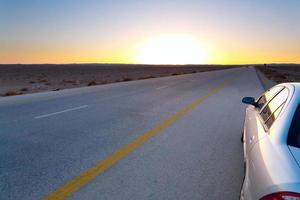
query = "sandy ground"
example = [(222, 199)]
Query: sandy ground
[(23, 79), (281, 72)]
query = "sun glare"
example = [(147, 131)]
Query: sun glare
[(176, 49)]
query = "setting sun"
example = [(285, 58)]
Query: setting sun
[(172, 49)]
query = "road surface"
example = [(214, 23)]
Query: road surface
[(165, 138)]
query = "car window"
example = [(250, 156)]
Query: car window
[(273, 116), (271, 111), (294, 130), (267, 96)]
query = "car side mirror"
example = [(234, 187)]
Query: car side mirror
[(249, 100)]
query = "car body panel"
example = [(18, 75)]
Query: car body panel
[(271, 165)]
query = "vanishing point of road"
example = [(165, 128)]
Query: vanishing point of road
[(165, 138)]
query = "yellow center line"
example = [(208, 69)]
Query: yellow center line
[(87, 176)]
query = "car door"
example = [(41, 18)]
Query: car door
[(262, 157), (253, 130)]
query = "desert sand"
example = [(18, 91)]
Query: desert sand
[(281, 72), (23, 79)]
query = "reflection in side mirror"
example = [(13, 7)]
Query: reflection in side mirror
[(249, 100)]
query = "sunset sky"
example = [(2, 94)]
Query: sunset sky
[(150, 31)]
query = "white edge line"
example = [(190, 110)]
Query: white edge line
[(59, 112)]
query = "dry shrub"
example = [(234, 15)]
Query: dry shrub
[(269, 76), (91, 83), (127, 79), (280, 78), (24, 89), (12, 93)]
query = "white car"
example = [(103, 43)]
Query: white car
[(271, 140)]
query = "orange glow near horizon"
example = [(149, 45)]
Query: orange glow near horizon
[(157, 49), (170, 49), (177, 48)]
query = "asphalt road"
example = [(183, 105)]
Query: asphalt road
[(165, 138)]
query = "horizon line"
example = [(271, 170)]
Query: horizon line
[(95, 63)]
